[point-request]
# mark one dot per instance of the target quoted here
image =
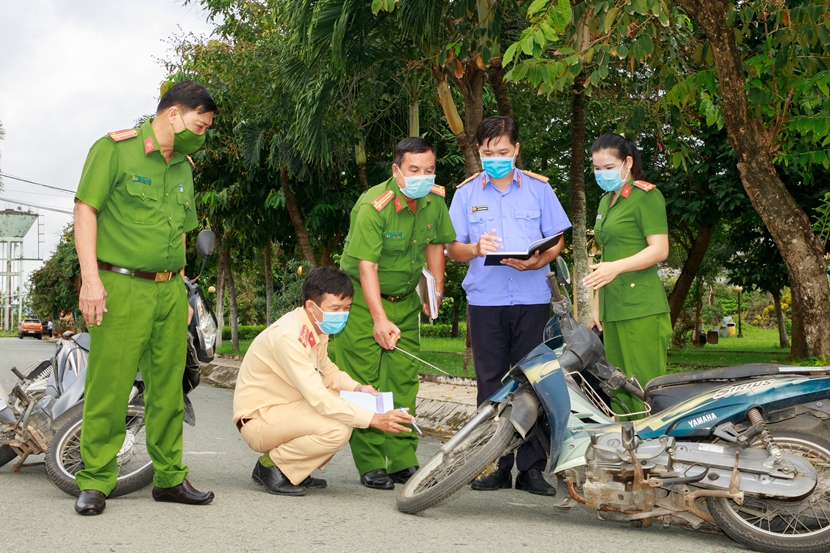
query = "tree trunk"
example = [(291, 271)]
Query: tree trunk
[(678, 295), (779, 315), (787, 222), (234, 314), (220, 288), (495, 75), (799, 344), (360, 159), (471, 162), (471, 85), (579, 231), (296, 218), (269, 283), (414, 117)]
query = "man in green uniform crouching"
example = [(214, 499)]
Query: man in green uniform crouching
[(395, 227), (133, 207)]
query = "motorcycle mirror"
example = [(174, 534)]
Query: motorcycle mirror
[(562, 271), (205, 243)]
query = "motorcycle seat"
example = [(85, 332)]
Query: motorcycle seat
[(82, 340), (737, 372)]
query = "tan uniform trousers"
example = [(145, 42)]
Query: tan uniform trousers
[(298, 438)]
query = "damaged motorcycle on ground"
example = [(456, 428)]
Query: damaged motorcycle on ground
[(44, 411), (711, 458)]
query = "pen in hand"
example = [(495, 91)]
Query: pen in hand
[(415, 426)]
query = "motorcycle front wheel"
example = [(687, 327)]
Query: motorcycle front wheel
[(773, 526), (445, 474), (63, 459)]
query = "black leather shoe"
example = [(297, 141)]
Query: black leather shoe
[(90, 502), (377, 480), (275, 481), (494, 481), (183, 493), (533, 482), (403, 476), (316, 483)]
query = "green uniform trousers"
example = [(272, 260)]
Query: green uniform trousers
[(638, 347), (145, 328), (388, 371)]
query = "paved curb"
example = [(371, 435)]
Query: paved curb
[(434, 415)]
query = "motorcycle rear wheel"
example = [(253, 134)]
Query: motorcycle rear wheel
[(774, 526), (63, 459), (445, 474)]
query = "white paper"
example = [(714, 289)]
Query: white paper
[(427, 292), (380, 403)]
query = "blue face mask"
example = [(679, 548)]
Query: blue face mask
[(333, 321), (609, 179), (418, 186), (497, 167)]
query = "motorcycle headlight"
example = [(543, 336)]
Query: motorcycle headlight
[(206, 326)]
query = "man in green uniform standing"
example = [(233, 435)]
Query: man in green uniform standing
[(395, 227), (133, 207)]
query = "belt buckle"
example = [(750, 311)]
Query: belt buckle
[(163, 277)]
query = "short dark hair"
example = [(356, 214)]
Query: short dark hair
[(187, 96), (622, 147), (496, 127), (411, 145), (327, 280)]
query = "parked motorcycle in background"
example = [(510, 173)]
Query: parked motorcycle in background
[(44, 411), (711, 459)]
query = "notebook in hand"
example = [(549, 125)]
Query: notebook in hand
[(495, 258)]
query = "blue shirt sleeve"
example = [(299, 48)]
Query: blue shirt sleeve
[(458, 216), (554, 219)]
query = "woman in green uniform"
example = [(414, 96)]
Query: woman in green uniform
[(630, 307)]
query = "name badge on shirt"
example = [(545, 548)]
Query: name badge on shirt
[(599, 216), (480, 208), (142, 180), (394, 235)]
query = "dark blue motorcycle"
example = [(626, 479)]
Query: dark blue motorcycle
[(718, 457)]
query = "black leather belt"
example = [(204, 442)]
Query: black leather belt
[(155, 277), (393, 298)]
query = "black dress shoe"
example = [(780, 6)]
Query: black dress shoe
[(275, 481), (377, 480), (533, 482), (316, 483), (403, 476), (183, 493), (90, 502), (494, 481)]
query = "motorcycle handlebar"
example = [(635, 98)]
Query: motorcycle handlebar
[(554, 286)]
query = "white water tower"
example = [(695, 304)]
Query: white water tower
[(14, 225)]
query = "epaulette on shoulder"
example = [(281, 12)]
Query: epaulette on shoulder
[(118, 136), (466, 181), (643, 185), (535, 176), (381, 201), (438, 190)]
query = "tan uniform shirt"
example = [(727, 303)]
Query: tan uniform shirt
[(289, 362)]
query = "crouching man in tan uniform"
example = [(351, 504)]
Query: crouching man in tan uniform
[(287, 402)]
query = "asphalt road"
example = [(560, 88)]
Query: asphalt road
[(37, 516)]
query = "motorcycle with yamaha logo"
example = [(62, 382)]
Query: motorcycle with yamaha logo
[(742, 450), (44, 411)]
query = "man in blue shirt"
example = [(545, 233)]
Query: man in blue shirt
[(505, 209)]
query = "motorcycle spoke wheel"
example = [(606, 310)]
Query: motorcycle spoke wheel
[(135, 468), (772, 526), (445, 474)]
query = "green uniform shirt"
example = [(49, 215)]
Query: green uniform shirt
[(621, 232), (394, 237), (144, 204)]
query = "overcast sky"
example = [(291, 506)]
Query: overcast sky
[(69, 73)]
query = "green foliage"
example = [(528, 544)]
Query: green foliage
[(821, 220), (441, 330), (52, 288), (245, 332)]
